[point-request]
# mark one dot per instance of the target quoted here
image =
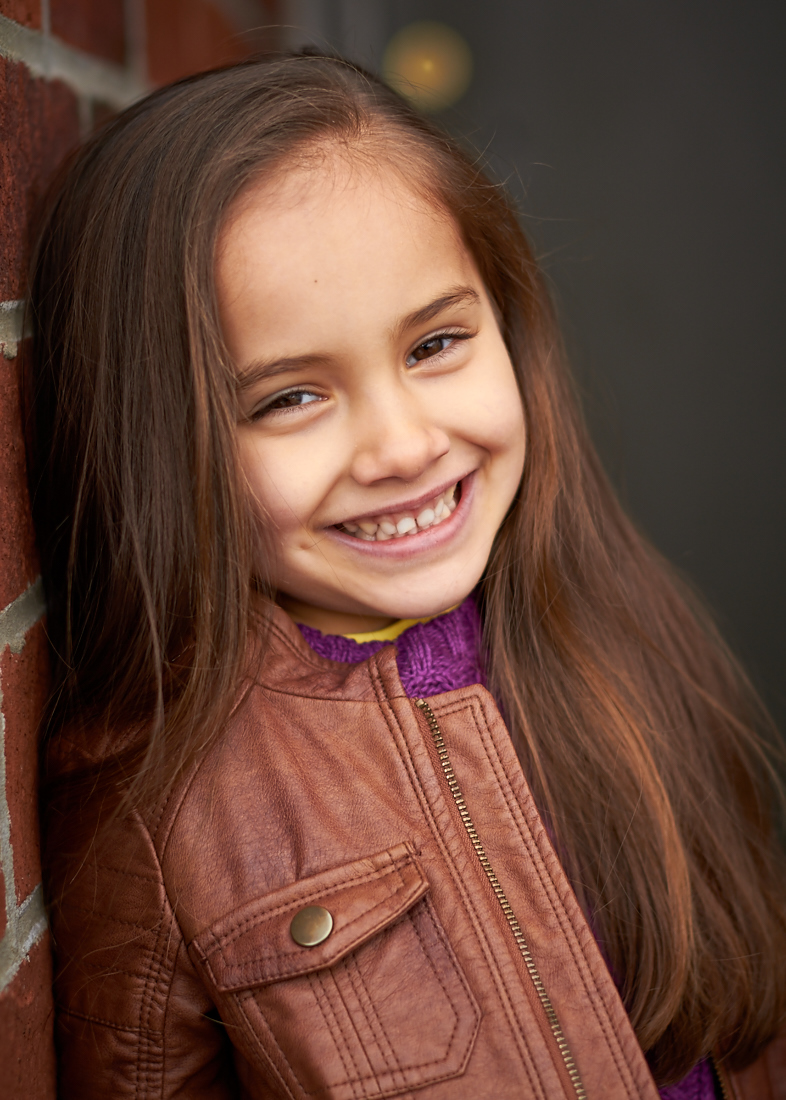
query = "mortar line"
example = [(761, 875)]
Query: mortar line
[(15, 621), (6, 850), (12, 327), (47, 56)]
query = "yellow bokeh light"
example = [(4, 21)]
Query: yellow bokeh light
[(430, 64)]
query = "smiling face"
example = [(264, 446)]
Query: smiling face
[(381, 430)]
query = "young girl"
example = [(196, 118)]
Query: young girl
[(385, 758)]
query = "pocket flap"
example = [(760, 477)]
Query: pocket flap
[(253, 945)]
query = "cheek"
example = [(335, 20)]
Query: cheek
[(509, 421), (271, 494), (511, 450), (284, 483), (506, 435), (498, 412)]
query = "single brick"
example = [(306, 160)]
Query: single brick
[(95, 26), (39, 123), (27, 12), (18, 559), (27, 1052), (188, 36), (25, 683)]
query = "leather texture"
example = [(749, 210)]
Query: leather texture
[(177, 974)]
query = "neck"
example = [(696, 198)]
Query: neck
[(331, 622)]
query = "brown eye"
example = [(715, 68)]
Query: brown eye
[(290, 399), (429, 348)]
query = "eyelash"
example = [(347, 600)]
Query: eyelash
[(446, 334), (259, 412), (453, 336)]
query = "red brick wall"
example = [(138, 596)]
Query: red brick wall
[(187, 35), (49, 96), (94, 26)]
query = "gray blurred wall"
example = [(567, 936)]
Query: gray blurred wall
[(644, 142)]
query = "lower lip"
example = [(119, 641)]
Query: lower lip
[(410, 546)]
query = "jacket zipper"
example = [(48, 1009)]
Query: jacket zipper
[(510, 916)]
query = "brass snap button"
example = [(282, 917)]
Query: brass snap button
[(311, 926)]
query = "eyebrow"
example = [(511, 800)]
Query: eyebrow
[(456, 296), (261, 368), (265, 368)]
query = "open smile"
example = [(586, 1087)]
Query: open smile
[(431, 526), (399, 524)]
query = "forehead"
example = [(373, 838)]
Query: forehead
[(327, 172), (329, 242)]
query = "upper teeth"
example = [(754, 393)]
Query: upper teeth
[(397, 524)]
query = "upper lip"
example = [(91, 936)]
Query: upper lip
[(413, 505)]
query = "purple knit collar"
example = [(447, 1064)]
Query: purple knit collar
[(441, 655)]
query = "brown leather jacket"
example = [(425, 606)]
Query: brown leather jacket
[(459, 964)]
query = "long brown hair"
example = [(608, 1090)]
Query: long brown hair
[(639, 734)]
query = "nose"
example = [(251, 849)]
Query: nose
[(396, 437)]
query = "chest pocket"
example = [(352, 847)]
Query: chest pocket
[(378, 1007)]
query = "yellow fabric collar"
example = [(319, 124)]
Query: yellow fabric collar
[(391, 632)]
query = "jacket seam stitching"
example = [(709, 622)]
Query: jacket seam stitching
[(180, 951), (561, 914), (145, 1048), (337, 1033), (373, 1076), (235, 931), (182, 793), (318, 697), (294, 969), (526, 1057), (101, 968), (349, 1027), (119, 920), (261, 1046), (454, 962), (130, 874), (456, 971), (63, 1011), (376, 1023), (144, 1065), (448, 998), (178, 793)]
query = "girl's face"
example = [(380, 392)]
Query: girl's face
[(381, 430)]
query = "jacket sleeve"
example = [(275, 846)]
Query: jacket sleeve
[(133, 1019)]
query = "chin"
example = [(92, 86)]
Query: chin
[(414, 606)]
